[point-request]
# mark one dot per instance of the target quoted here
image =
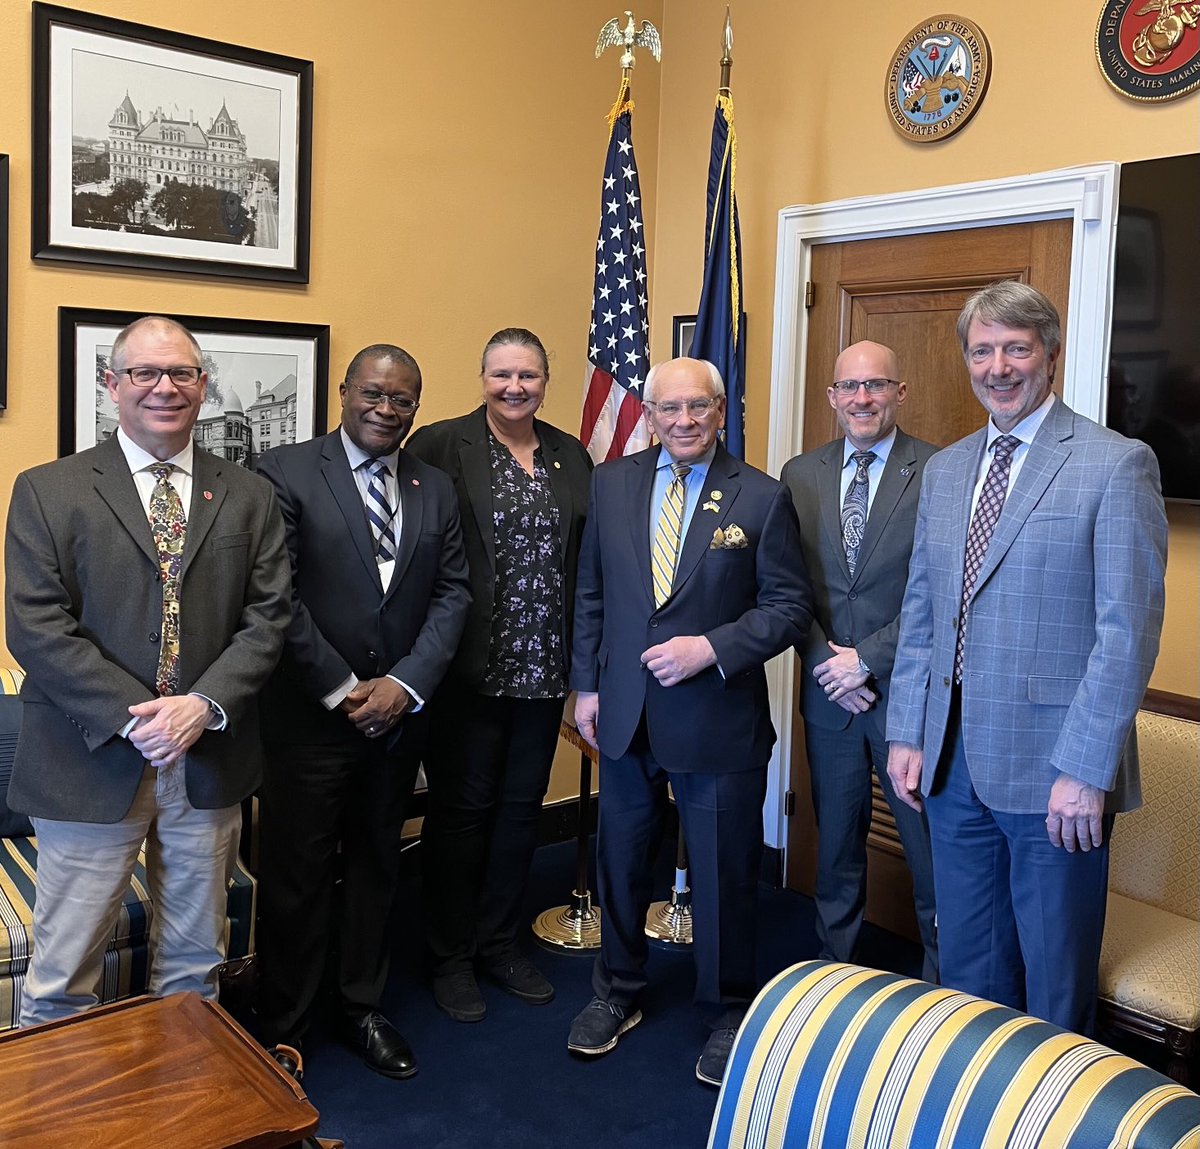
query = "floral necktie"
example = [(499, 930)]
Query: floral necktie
[(169, 528)]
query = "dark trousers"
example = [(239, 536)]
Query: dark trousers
[(328, 810), (721, 815), (840, 764), (487, 765), (1020, 921)]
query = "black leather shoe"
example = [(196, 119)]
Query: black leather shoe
[(381, 1044)]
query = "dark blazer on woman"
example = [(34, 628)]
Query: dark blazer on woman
[(460, 448)]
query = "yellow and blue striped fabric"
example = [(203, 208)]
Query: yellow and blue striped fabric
[(126, 960), (836, 1055)]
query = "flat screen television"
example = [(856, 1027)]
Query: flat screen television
[(1154, 370)]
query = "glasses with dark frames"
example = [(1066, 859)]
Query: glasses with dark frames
[(401, 403), (181, 376)]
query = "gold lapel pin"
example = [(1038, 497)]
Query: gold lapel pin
[(715, 495), (557, 465)]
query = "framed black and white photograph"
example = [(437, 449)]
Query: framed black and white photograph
[(268, 382), (164, 151), (3, 283), (683, 328)]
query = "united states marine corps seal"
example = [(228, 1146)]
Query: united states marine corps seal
[(937, 78), (1150, 49)]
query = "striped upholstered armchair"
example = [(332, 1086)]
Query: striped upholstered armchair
[(834, 1055), (126, 963)]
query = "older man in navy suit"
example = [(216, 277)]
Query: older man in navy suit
[(1028, 633), (690, 577)]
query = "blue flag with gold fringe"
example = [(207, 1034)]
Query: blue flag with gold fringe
[(720, 321)]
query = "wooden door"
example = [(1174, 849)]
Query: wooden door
[(906, 292)]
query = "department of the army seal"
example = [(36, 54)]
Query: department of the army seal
[(937, 78), (1150, 49)]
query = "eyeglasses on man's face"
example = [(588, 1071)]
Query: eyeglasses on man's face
[(696, 408), (400, 403), (181, 376), (873, 386)]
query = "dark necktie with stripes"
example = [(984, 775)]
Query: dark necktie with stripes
[(379, 512)]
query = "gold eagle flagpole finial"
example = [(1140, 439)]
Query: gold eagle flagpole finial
[(612, 35)]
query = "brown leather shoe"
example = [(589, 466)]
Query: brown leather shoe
[(288, 1058)]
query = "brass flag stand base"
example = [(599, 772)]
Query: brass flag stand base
[(669, 923), (572, 927), (575, 927)]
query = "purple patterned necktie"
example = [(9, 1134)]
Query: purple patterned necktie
[(169, 528), (854, 508), (983, 523)]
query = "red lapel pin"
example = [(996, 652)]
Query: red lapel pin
[(208, 495)]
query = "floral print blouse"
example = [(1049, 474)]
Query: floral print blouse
[(525, 659)]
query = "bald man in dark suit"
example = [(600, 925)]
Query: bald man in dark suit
[(856, 498)]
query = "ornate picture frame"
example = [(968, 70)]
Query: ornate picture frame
[(168, 152), (268, 381)]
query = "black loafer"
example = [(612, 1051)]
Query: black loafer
[(381, 1044)]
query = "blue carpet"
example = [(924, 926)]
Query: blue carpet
[(509, 1081)]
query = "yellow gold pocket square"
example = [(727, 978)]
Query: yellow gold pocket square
[(731, 538)]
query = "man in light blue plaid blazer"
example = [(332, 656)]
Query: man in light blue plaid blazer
[(1013, 703)]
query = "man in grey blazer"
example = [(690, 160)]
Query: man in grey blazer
[(1029, 630), (856, 499), (148, 592)]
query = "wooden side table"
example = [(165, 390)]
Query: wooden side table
[(175, 1071)]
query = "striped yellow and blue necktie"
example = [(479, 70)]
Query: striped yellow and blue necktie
[(667, 536)]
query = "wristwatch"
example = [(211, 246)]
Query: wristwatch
[(863, 667)]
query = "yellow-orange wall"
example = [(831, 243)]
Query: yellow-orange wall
[(457, 152)]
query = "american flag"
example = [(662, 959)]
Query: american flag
[(618, 352)]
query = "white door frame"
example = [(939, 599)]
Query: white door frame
[(1085, 195)]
